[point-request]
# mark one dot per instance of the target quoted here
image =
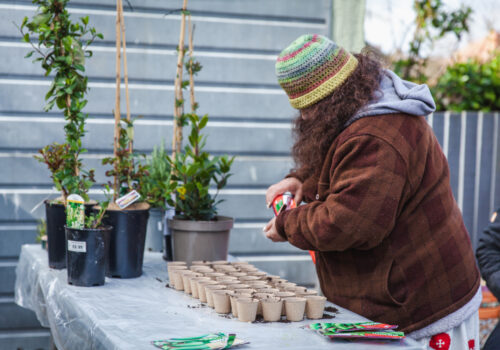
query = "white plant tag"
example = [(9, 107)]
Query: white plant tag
[(128, 199), (77, 246)]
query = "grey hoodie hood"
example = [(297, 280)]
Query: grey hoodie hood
[(398, 96)]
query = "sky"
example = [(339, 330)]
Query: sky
[(389, 24)]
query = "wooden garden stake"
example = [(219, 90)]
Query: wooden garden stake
[(178, 107), (191, 74), (117, 95), (120, 45), (125, 67)]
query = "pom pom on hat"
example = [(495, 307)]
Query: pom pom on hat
[(311, 68)]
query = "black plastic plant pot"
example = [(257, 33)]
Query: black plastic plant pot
[(55, 216), (126, 243), (86, 255), (167, 250)]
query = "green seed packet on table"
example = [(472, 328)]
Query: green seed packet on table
[(207, 341), (360, 330), (366, 335), (351, 327)]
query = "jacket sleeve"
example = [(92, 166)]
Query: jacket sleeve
[(299, 174), (308, 184), (364, 196), (488, 257)]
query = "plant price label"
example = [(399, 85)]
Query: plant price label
[(77, 246), (128, 199)]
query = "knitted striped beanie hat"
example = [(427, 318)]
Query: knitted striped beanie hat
[(311, 68)]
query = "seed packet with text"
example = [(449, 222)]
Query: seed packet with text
[(351, 327), (208, 341), (366, 335)]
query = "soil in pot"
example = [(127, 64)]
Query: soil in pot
[(55, 214), (86, 255), (308, 292), (126, 245)]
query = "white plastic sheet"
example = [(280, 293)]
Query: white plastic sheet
[(130, 313)]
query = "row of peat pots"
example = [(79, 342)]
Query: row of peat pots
[(117, 249)]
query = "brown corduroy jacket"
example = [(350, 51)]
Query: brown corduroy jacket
[(389, 237)]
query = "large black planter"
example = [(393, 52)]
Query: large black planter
[(87, 250), (126, 243), (55, 216)]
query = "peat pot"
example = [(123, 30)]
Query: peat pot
[(55, 215), (126, 242), (86, 254), (200, 240)]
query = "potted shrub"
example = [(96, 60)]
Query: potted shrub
[(198, 233), (87, 250), (155, 189), (127, 238), (126, 244), (61, 47)]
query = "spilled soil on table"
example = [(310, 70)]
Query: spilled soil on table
[(331, 309)]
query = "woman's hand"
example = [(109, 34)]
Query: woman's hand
[(271, 232), (290, 184)]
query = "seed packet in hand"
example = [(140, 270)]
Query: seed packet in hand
[(208, 341)]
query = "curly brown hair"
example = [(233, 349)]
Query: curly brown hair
[(325, 119)]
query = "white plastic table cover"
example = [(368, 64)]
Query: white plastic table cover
[(130, 313)]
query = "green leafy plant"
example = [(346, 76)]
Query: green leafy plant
[(94, 220), (126, 171), (470, 86), (61, 46), (41, 230), (157, 186), (194, 173), (432, 22)]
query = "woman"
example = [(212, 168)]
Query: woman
[(389, 239)]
